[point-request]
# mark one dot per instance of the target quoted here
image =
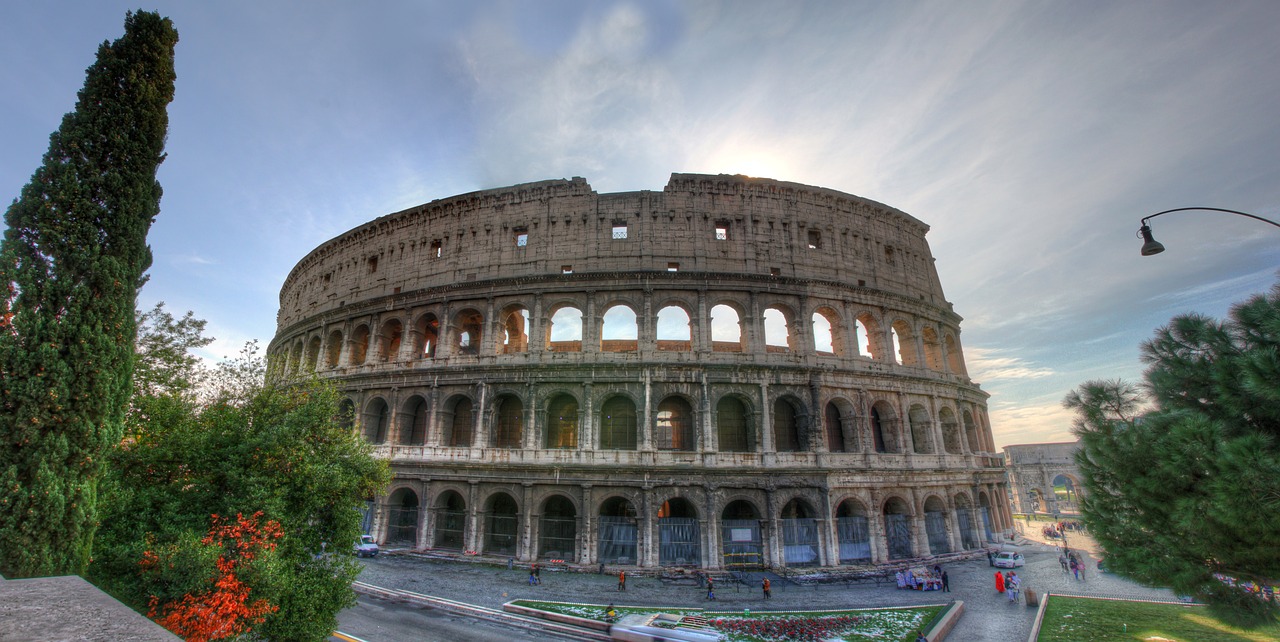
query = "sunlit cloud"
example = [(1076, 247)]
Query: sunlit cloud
[(987, 364)]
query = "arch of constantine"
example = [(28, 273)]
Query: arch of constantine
[(730, 371), (1044, 478)]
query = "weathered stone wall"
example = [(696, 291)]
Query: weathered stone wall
[(1032, 469), (440, 323)]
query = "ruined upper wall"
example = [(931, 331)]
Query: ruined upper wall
[(698, 223)]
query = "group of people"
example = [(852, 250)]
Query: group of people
[(922, 579), (1009, 584), (1071, 563)]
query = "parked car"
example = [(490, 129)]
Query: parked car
[(1009, 559), (366, 547)]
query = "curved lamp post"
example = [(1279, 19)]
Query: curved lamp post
[(1151, 246)]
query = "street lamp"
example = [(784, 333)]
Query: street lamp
[(1151, 246)]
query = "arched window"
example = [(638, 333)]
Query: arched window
[(674, 427), (731, 426), (502, 525), (428, 334), (618, 424), (470, 326), (564, 333), (674, 333), (786, 433), (558, 530), (413, 422), (834, 428), (950, 431), (971, 432), (313, 353), (777, 335), (347, 414), (868, 337), (376, 418), (562, 422), (921, 429), (932, 348), (510, 422), (389, 339), (515, 330), (459, 426), (828, 337), (359, 345), (726, 329), (334, 349), (884, 428), (904, 344), (954, 361), (619, 332)]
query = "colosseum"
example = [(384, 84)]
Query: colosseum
[(731, 372)]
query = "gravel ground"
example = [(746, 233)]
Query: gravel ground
[(988, 615)]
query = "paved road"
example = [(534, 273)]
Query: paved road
[(382, 621), (988, 616)]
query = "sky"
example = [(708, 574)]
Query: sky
[(1030, 136)]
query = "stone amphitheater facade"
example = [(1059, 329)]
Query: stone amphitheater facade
[(732, 371)]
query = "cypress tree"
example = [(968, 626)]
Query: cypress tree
[(71, 261)]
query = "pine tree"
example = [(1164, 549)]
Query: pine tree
[(1188, 494), (72, 260)]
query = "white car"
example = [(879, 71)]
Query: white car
[(366, 547), (1009, 559)]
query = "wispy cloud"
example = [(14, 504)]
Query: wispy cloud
[(987, 364)]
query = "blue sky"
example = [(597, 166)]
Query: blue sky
[(1031, 136)]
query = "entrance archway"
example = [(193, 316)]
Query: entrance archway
[(679, 539), (935, 526), (618, 532), (502, 525), (402, 517), (451, 521), (897, 528), (799, 534), (558, 530), (741, 543), (852, 533)]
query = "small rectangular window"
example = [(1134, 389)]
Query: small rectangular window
[(775, 272), (673, 267), (373, 264), (619, 231), (522, 237), (437, 249), (815, 239), (722, 231), (566, 269)]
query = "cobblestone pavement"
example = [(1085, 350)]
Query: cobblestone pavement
[(988, 615)]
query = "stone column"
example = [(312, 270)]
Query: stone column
[(492, 330), (471, 540), (953, 525), (772, 527), (803, 342), (766, 420), (711, 534), (526, 550), (849, 327), (446, 334), (936, 423), (876, 529), (591, 326), (646, 427), (701, 330), (435, 432), (481, 437), (706, 438), (920, 533), (646, 550), (587, 439), (908, 440), (587, 533), (828, 535), (422, 536), (537, 333)]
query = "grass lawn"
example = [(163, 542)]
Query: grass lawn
[(770, 626), (1071, 619)]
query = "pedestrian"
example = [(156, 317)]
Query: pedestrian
[(533, 579), (937, 570), (991, 558), (945, 585), (537, 574), (920, 637), (1080, 567), (610, 613), (765, 585), (902, 579), (1075, 568), (1012, 586), (999, 582), (711, 589), (1062, 559), (622, 580)]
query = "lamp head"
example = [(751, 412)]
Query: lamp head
[(1150, 246)]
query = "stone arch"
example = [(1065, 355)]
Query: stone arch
[(618, 423), (295, 358), (333, 352), (727, 333), (904, 343), (966, 520), (1066, 492), (674, 331), (921, 429), (359, 344), (936, 525), (799, 523), (564, 328), (779, 322), (514, 323), (508, 427), (870, 338), (390, 335), (562, 422), (788, 425), (558, 529), (932, 348), (619, 330), (734, 429), (679, 535), (402, 517), (950, 431), (984, 514), (885, 428), (426, 336), (897, 528), (742, 540), (458, 422), (377, 418), (468, 331), (674, 426), (853, 531), (313, 353), (951, 350), (413, 422), (971, 432), (828, 332), (618, 532), (838, 421), (450, 519), (347, 414), (502, 524)]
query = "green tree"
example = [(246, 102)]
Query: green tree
[(243, 447), (71, 262), (1191, 488)]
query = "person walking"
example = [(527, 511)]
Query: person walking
[(999, 582), (1012, 586), (711, 589), (622, 580), (533, 579), (946, 586), (1075, 569), (765, 585), (537, 574)]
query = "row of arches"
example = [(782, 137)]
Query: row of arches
[(736, 533), (617, 420), (402, 336)]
